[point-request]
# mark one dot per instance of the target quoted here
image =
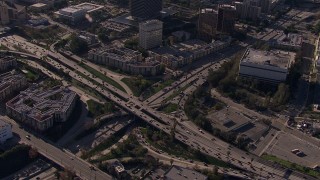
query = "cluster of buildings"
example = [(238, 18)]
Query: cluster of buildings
[(127, 60), (75, 14), (268, 66), (10, 83), (11, 12), (290, 42), (5, 131), (183, 53), (39, 107), (213, 21)]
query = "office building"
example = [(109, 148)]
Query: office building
[(126, 60), (180, 173), (90, 38), (226, 19), (150, 34), (75, 14), (38, 7), (248, 9), (10, 83), (5, 131), (38, 22), (40, 107), (7, 63), (266, 5), (145, 9), (12, 13), (268, 66), (207, 24)]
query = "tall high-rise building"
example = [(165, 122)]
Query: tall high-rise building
[(145, 9), (150, 34), (207, 24), (226, 18), (265, 6), (248, 9), (11, 12)]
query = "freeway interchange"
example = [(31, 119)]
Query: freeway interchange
[(190, 135)]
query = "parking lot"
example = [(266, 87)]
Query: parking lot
[(284, 143)]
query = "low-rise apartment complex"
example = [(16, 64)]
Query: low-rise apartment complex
[(40, 108), (10, 83), (269, 66), (7, 63), (127, 60), (184, 53)]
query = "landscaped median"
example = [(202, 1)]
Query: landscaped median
[(169, 108), (137, 85), (105, 144), (161, 141), (102, 76), (294, 166)]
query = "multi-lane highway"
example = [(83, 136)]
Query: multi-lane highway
[(190, 136)]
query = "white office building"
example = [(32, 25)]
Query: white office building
[(5, 131), (77, 13), (268, 66), (150, 34)]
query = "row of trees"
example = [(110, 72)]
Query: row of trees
[(96, 109), (129, 148), (16, 158), (77, 45)]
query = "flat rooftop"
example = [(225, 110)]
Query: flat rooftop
[(152, 22), (186, 48), (290, 39), (275, 58), (89, 7), (180, 173), (71, 9), (38, 5), (41, 104)]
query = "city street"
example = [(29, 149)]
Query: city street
[(58, 155)]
